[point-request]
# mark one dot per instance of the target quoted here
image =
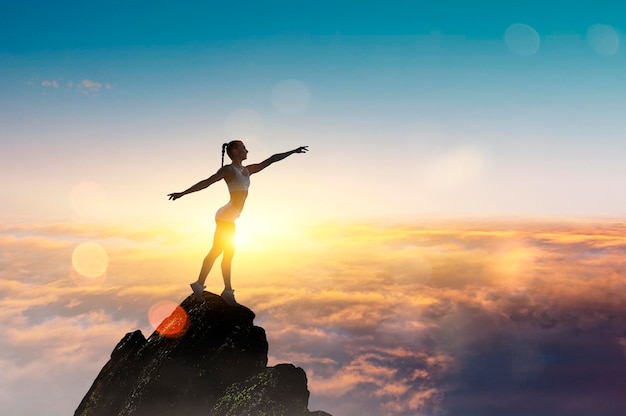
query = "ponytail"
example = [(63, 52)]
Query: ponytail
[(224, 146)]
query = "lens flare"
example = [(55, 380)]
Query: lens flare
[(522, 39), (90, 260), (168, 319), (603, 39), (290, 96)]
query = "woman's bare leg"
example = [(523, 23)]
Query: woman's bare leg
[(207, 264), (228, 249), (222, 240), (227, 260)]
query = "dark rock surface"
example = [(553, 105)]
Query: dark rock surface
[(206, 358)]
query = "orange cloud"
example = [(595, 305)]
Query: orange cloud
[(391, 320)]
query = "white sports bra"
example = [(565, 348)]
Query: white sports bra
[(240, 182)]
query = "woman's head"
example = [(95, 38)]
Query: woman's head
[(235, 149)]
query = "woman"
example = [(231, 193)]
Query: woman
[(237, 178)]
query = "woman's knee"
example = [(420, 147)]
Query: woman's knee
[(214, 253), (228, 254)]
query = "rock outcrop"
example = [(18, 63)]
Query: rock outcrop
[(205, 359)]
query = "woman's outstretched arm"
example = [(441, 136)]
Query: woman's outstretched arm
[(219, 175), (257, 167)]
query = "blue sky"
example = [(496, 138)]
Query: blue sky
[(373, 72), (34, 25), (501, 108)]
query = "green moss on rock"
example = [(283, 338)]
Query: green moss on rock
[(277, 391)]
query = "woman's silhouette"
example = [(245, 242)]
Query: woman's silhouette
[(237, 178)]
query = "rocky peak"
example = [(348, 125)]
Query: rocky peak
[(206, 358)]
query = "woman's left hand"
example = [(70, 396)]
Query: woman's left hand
[(301, 149)]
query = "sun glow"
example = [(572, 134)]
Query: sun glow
[(270, 233)]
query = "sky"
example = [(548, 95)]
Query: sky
[(451, 244)]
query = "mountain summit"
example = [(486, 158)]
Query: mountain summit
[(205, 359)]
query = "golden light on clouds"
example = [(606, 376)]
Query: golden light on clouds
[(512, 262), (386, 319), (411, 268)]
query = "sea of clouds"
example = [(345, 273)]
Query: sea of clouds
[(444, 318)]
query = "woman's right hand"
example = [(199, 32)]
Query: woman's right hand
[(175, 195)]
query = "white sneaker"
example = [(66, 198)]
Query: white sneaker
[(229, 297), (198, 289)]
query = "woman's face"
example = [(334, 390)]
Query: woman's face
[(239, 151)]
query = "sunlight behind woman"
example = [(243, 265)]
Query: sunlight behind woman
[(237, 178)]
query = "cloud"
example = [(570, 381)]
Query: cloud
[(53, 84), (441, 318), (505, 308), (86, 86), (396, 380), (59, 356)]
